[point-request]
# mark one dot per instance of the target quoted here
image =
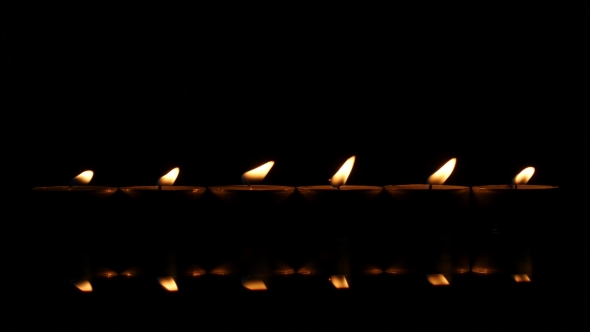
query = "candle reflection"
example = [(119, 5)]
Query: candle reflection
[(168, 283), (253, 284), (437, 280), (521, 278), (339, 282), (84, 286)]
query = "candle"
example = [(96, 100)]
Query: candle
[(246, 214), (157, 219), (428, 220), (510, 219), (67, 217), (333, 218)]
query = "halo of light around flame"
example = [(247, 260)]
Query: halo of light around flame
[(440, 176), (339, 179), (339, 282), (524, 176), (84, 286), (255, 285), (437, 280), (83, 178), (257, 174), (169, 178), (168, 283)]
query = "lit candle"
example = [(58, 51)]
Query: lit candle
[(332, 218), (427, 220), (66, 221), (246, 215), (509, 218), (160, 218)]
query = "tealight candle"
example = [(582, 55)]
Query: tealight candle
[(66, 218), (510, 219), (337, 215), (160, 217), (250, 217), (429, 220)]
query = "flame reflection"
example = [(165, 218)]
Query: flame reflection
[(440, 176), (521, 278), (84, 286), (524, 176), (169, 178), (339, 179), (257, 174), (437, 280), (168, 283), (339, 282), (83, 178), (253, 284)]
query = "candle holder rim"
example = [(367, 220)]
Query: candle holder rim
[(75, 188), (421, 187), (164, 188), (253, 188), (324, 188), (500, 187)]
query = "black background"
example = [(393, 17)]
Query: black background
[(132, 90)]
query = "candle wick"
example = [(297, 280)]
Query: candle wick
[(159, 187), (430, 187), (249, 186)]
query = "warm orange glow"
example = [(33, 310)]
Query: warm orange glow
[(168, 283), (169, 178), (253, 284), (83, 178), (84, 286), (437, 280), (257, 174), (339, 281), (521, 278), (524, 176), (339, 179), (440, 176), (108, 274)]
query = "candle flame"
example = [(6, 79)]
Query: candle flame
[(253, 284), (521, 278), (84, 286), (440, 176), (257, 174), (339, 179), (168, 283), (169, 178), (437, 280), (82, 178), (524, 176), (339, 282)]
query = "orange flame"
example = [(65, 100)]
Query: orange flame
[(169, 178), (339, 179), (440, 176), (524, 176), (257, 174), (437, 280), (83, 178), (84, 286), (168, 283), (253, 284), (339, 282), (521, 278)]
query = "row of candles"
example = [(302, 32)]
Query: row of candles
[(337, 182), (334, 191)]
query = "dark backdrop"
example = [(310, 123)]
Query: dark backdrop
[(132, 90), (135, 89)]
